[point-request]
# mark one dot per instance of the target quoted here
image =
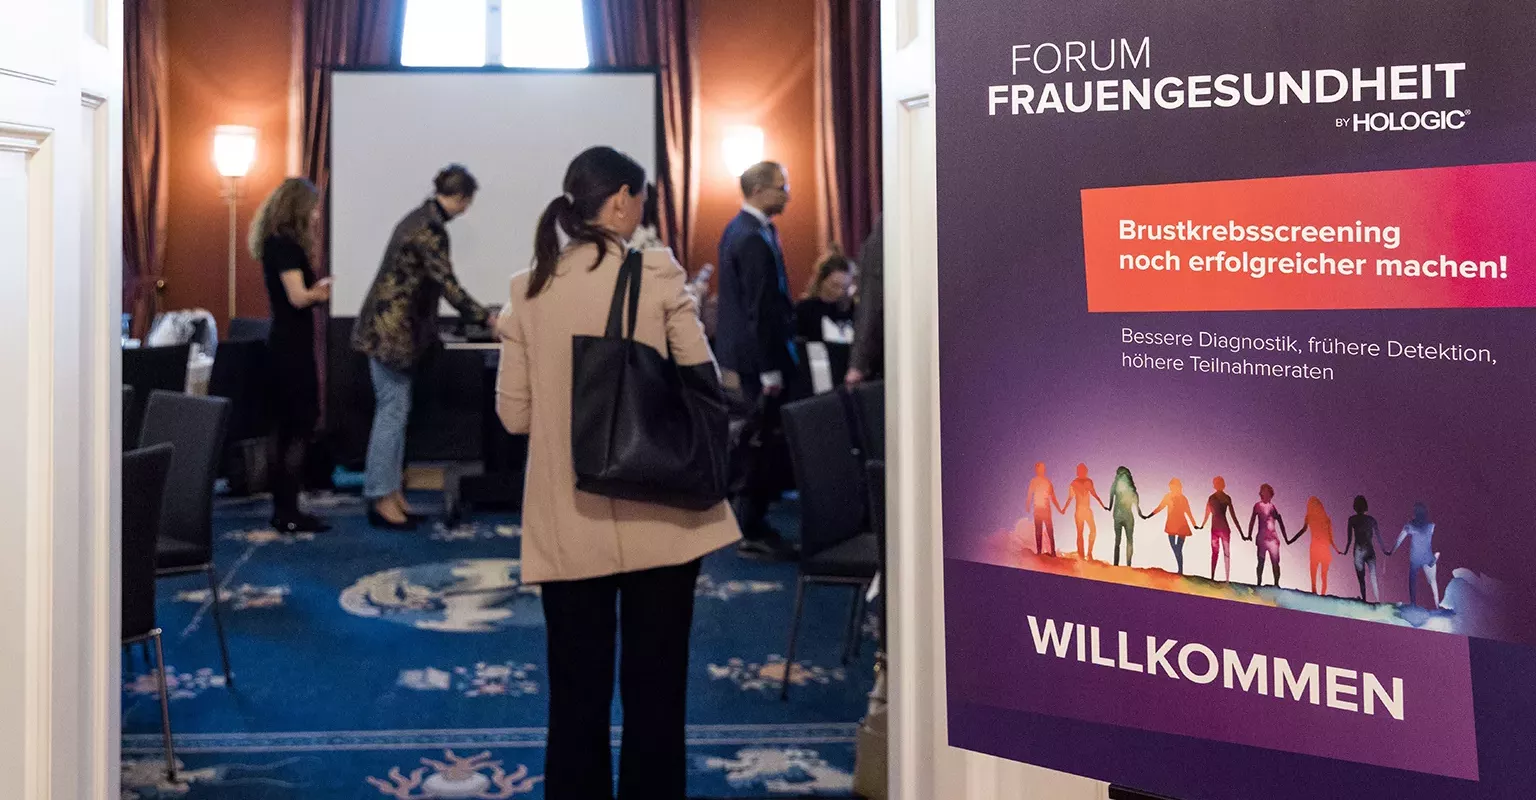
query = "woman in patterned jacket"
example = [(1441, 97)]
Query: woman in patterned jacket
[(398, 325)]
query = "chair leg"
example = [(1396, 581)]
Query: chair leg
[(218, 624), (851, 638), (858, 639), (165, 710), (794, 628)]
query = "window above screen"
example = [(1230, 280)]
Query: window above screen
[(545, 34), (444, 33), (538, 34)]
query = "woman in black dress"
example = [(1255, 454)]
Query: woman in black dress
[(826, 313), (281, 239)]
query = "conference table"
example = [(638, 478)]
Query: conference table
[(497, 478)]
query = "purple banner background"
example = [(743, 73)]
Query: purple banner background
[(993, 661), (1029, 375)]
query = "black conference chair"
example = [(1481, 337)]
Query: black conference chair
[(869, 406), (835, 546), (240, 375), (196, 426), (875, 480), (144, 476), (248, 329), (147, 369)]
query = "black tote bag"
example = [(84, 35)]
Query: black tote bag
[(642, 427)]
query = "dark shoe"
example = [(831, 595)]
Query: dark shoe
[(300, 523), (377, 520), (769, 546)]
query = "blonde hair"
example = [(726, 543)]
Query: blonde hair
[(285, 212)]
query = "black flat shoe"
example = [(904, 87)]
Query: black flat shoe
[(377, 520), (300, 523)]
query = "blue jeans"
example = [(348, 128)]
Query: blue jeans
[(386, 443)]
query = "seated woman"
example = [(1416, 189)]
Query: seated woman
[(826, 314)]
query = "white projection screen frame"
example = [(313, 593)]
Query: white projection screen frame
[(516, 131)]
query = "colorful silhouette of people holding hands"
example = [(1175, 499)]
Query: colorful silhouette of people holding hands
[(1266, 527), (1080, 490), (1124, 505), (1180, 517), (1322, 546), (1218, 509), (1041, 499), (1421, 553), (1364, 535)]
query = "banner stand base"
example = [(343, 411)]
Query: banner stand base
[(1118, 792)]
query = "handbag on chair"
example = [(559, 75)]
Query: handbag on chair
[(643, 427)]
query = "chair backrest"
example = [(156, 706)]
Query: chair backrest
[(829, 474), (869, 403), (244, 329), (240, 374), (196, 426), (149, 368), (874, 476), (144, 476)]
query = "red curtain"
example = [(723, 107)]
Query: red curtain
[(660, 34), (338, 33), (341, 33), (848, 119), (145, 176)]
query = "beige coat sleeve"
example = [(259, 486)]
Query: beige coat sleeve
[(513, 396), (685, 332)]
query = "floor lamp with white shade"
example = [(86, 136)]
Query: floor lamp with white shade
[(234, 150)]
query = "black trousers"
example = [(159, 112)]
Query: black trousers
[(295, 397), (286, 450), (760, 463), (652, 612)]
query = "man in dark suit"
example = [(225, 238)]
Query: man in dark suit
[(756, 346)]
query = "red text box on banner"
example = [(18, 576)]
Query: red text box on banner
[(1452, 237)]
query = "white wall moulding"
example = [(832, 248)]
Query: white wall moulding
[(60, 187)]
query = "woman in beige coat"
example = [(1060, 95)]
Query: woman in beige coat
[(603, 563)]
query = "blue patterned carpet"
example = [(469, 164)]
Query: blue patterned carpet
[(364, 669)]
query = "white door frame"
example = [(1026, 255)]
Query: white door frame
[(60, 296), (923, 765)]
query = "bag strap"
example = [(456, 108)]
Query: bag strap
[(629, 281), (636, 269)]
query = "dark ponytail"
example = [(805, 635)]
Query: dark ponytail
[(594, 176)]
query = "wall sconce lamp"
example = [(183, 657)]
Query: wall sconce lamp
[(234, 150), (743, 146)]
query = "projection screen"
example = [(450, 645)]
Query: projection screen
[(391, 131)]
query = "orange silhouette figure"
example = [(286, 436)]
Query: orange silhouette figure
[(1218, 509), (1041, 499), (1082, 514), (1180, 517), (1322, 546)]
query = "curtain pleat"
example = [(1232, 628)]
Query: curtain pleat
[(146, 178), (338, 33), (659, 34), (848, 141)]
